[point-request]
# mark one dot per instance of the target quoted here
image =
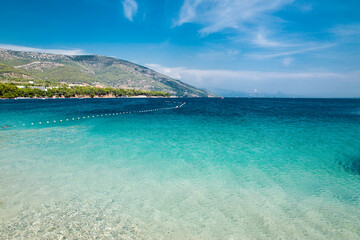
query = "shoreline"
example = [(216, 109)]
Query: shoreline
[(53, 98)]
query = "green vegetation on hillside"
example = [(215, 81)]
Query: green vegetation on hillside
[(12, 91), (6, 69), (90, 69), (67, 74)]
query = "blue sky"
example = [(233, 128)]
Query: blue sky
[(308, 48)]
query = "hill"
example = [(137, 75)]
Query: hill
[(92, 70)]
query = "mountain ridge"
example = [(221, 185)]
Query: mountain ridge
[(92, 70)]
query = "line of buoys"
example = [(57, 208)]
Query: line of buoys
[(110, 114)]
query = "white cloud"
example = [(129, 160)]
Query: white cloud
[(249, 22), (288, 61), (316, 83), (222, 75), (218, 53), (305, 7), (130, 8), (43, 50), (188, 11), (346, 30), (171, 72), (260, 39), (291, 52), (217, 15)]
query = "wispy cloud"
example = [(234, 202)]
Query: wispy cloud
[(347, 30), (288, 61), (188, 11), (43, 50), (130, 8), (218, 53), (171, 72), (250, 22), (291, 52), (217, 15), (305, 7), (181, 72), (261, 39)]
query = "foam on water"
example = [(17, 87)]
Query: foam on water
[(214, 169)]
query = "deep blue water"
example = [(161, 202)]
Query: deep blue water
[(212, 169)]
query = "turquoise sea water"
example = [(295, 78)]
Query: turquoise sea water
[(213, 169)]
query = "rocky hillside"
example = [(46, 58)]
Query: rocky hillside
[(91, 69)]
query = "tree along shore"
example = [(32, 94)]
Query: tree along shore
[(12, 91)]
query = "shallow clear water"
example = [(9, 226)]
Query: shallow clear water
[(213, 169)]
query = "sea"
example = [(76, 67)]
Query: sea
[(152, 168)]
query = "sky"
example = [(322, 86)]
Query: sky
[(297, 47)]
